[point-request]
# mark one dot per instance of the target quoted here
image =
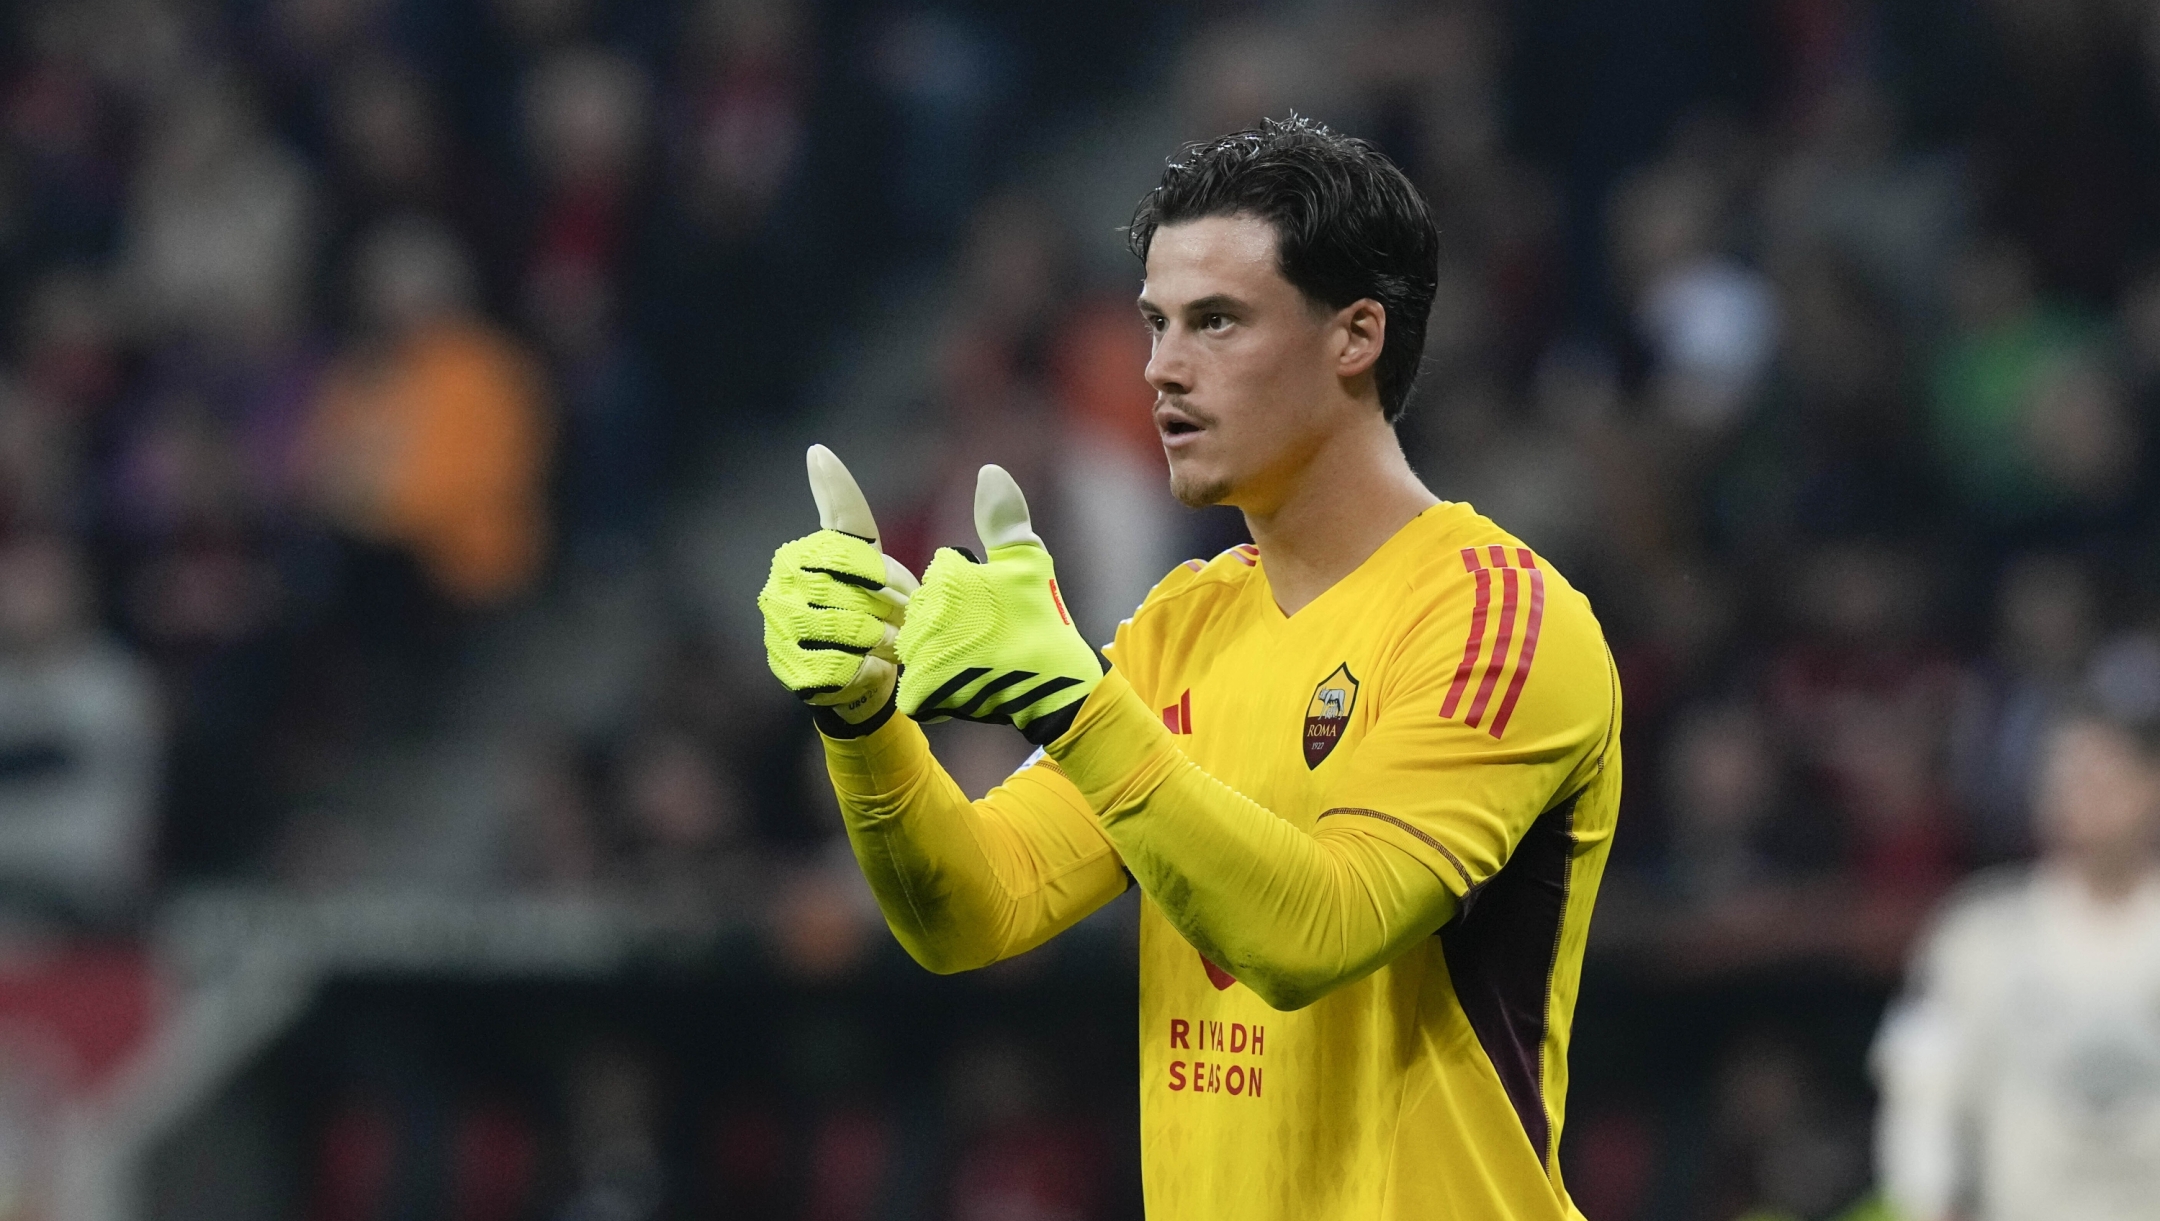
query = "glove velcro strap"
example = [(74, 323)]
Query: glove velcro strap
[(833, 725)]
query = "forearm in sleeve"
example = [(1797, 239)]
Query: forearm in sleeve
[(1293, 914), (964, 884)]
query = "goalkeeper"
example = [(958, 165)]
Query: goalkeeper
[(1365, 773)]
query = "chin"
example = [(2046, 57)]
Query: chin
[(1196, 491)]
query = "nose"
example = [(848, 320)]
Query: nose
[(1166, 368)]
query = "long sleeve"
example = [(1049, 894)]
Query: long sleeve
[(1293, 915), (964, 884), (1918, 1129)]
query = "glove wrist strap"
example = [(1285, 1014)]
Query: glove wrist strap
[(833, 725)]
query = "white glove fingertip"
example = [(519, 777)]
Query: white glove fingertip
[(899, 581), (1001, 511), (840, 503)]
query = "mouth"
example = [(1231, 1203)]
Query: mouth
[(1175, 427)]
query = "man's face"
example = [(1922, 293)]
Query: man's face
[(2098, 795), (1243, 365)]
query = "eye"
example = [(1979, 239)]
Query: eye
[(1215, 322)]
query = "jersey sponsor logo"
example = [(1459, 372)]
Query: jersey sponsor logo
[(1329, 714), (1216, 1076), (1178, 717), (1513, 637)]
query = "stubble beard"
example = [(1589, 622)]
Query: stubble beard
[(1196, 492)]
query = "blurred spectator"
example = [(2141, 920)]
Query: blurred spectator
[(1782, 1148), (1123, 525), (745, 131), (555, 830), (683, 823), (2021, 1073), (585, 120), (1730, 790), (945, 71), (614, 1105), (1865, 697), (1020, 1158), (430, 435), (1709, 321), (220, 222), (2045, 627), (79, 740), (2030, 427)]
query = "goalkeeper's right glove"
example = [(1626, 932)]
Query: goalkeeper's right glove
[(833, 605), (991, 641)]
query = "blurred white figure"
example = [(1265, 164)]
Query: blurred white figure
[(79, 739), (2021, 1073), (221, 225), (1712, 325)]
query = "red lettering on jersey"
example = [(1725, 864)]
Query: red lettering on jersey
[(1237, 1036), (1259, 1034), (1178, 1029), (1234, 1080), (1177, 1074), (1252, 1081), (1214, 1077)]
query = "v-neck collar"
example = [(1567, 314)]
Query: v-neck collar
[(1274, 611)]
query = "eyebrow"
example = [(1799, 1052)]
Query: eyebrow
[(1213, 302)]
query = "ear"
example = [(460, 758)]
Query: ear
[(1362, 328)]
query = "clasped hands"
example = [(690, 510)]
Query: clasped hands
[(851, 631)]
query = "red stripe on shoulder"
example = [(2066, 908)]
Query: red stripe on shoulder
[(1476, 643), (1493, 664), (1195, 566), (1529, 651)]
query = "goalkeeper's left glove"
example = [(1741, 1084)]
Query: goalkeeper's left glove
[(991, 641)]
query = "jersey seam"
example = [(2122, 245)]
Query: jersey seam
[(1612, 711), (1551, 1152), (1042, 882), (1428, 840), (1202, 579)]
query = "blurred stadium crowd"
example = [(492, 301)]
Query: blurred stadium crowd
[(398, 401)]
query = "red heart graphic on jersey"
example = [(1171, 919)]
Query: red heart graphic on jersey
[(1216, 975)]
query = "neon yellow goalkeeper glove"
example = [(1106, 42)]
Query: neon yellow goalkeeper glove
[(991, 641), (833, 607)]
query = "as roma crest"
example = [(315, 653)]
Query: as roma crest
[(1329, 714)]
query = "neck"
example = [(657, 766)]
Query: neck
[(1354, 493), (2111, 878)]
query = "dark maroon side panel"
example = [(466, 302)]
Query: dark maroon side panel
[(1500, 951)]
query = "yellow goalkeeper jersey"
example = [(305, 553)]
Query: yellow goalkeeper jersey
[(1456, 695)]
